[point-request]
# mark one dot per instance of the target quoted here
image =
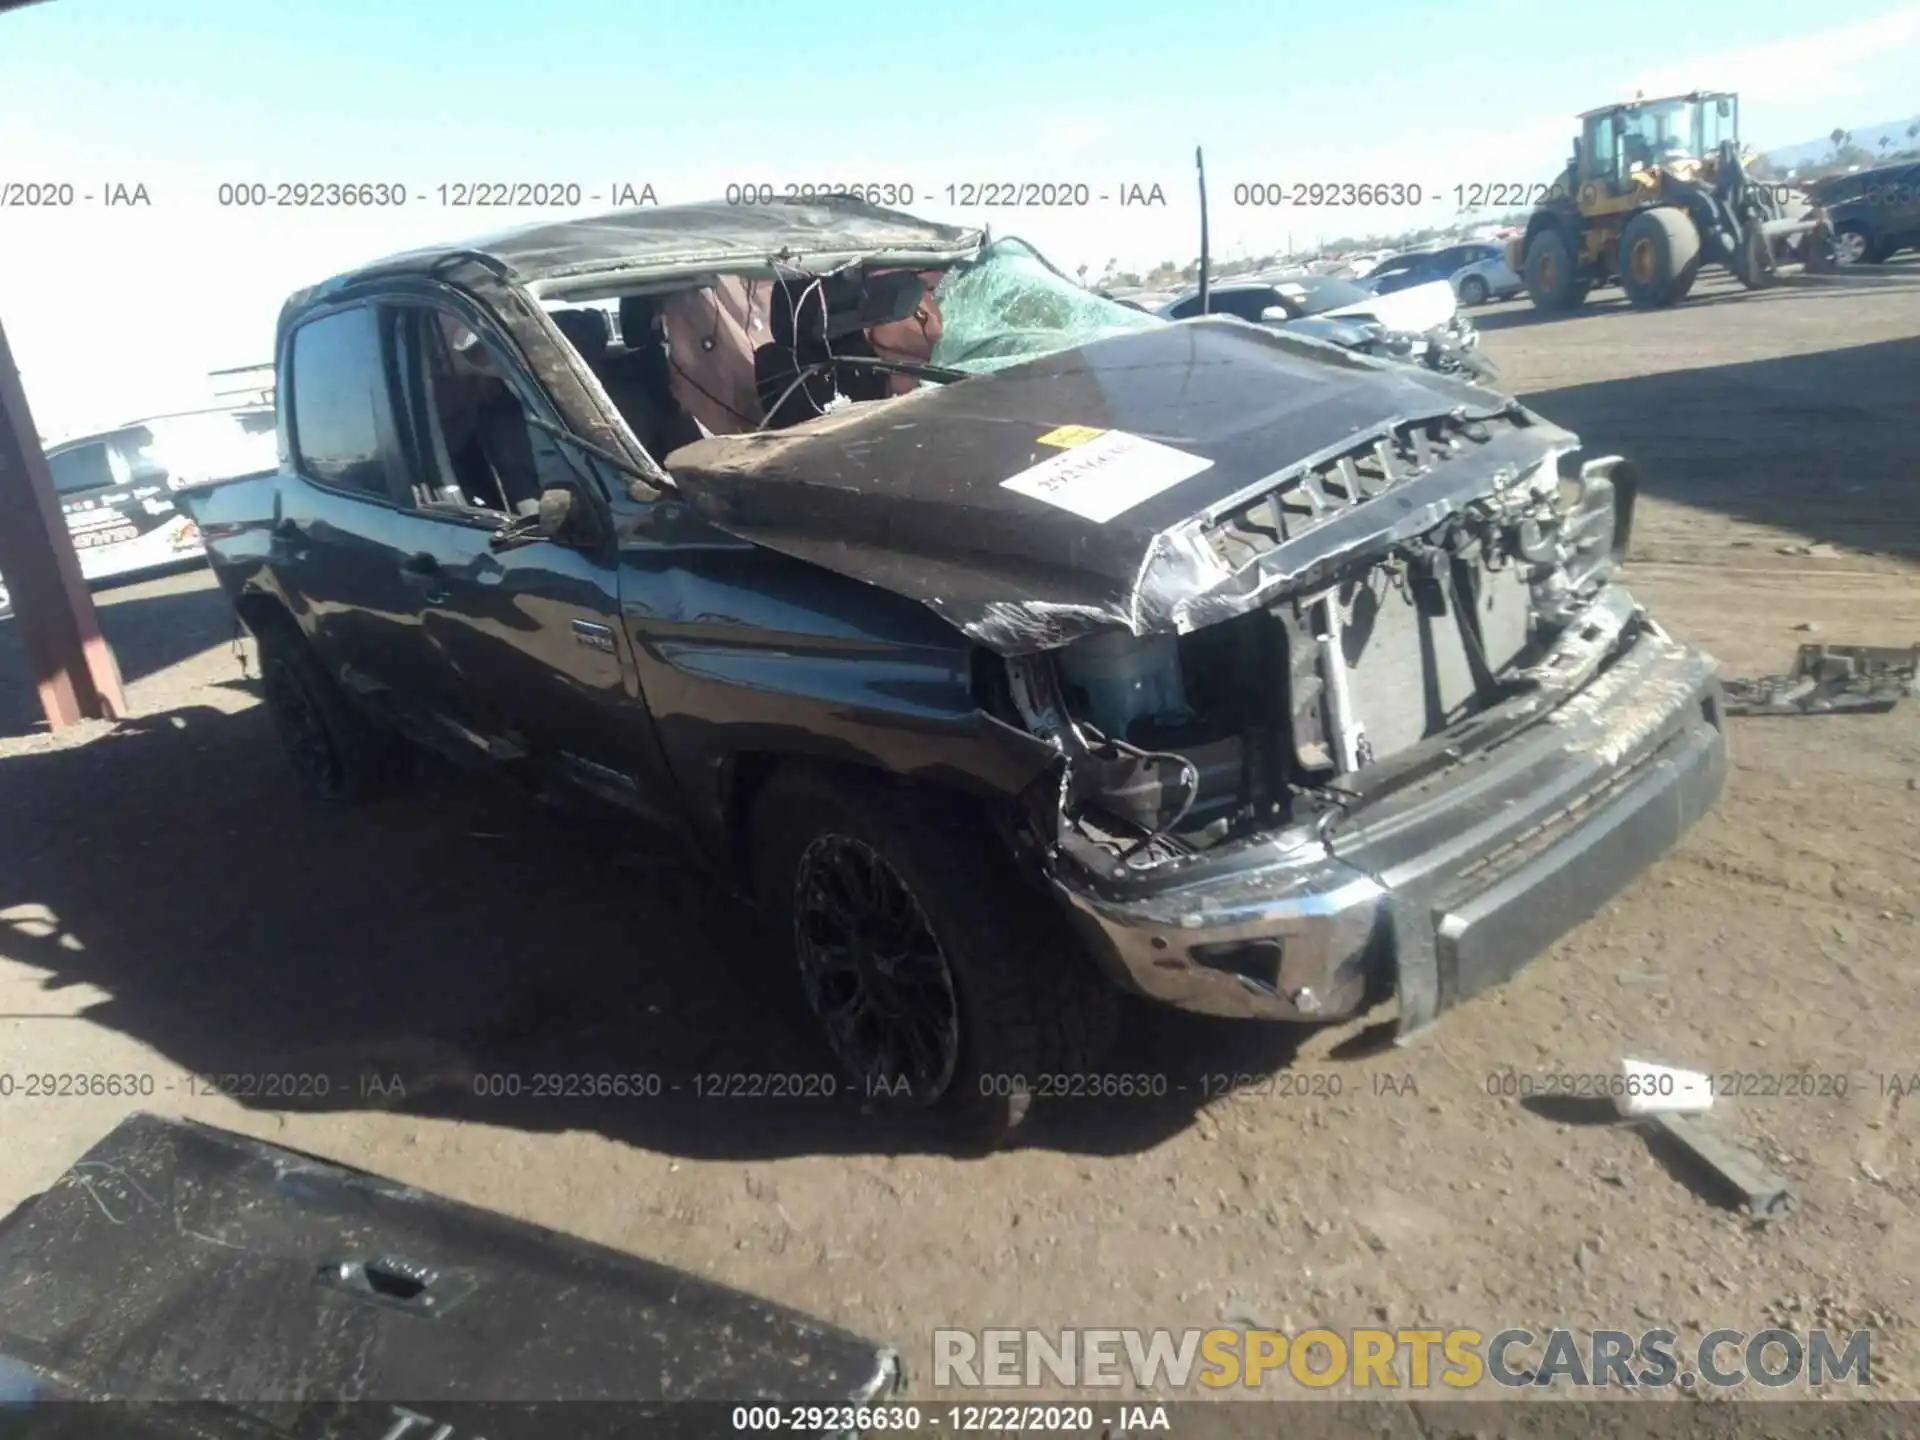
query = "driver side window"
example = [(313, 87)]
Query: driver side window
[(477, 453)]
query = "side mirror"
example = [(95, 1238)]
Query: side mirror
[(549, 522), (556, 511)]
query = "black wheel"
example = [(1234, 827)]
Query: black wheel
[(338, 755), (1659, 257), (1817, 251), (1473, 291), (940, 981), (1854, 246), (1552, 282), (1753, 259)]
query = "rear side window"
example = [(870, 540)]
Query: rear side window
[(339, 396), (85, 467)]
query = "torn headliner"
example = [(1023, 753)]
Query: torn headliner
[(909, 494)]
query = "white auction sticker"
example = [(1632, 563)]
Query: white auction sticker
[(1107, 476)]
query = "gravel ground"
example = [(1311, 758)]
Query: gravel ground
[(170, 909)]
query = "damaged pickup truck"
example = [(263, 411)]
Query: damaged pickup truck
[(1012, 647)]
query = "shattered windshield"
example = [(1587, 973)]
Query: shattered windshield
[(1009, 305)]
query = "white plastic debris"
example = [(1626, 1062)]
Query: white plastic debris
[(1663, 1090)]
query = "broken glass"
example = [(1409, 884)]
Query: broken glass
[(1010, 305)]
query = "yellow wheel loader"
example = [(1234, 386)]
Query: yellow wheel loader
[(1655, 190)]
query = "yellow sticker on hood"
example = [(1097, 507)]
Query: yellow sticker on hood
[(1068, 436)]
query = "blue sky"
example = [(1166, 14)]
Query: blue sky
[(115, 311)]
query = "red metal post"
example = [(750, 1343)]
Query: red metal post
[(73, 668)]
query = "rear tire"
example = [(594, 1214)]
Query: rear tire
[(921, 954), (1552, 283), (338, 755), (1659, 257)]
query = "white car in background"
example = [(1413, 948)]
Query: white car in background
[(1485, 275), (1477, 271), (116, 486), (1421, 324)]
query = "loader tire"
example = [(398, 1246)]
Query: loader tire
[(922, 954), (1753, 258), (1659, 257), (1552, 279)]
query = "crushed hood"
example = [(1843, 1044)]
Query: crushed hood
[(1149, 447)]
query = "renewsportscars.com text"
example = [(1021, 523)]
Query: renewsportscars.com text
[(1418, 1359)]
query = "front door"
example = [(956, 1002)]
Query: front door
[(339, 539), (529, 630)]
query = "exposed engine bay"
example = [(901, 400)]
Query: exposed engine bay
[(1296, 710)]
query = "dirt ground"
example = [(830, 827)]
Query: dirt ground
[(169, 909)]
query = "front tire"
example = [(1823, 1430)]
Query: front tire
[(941, 983), (339, 756), (1659, 257), (1753, 262), (1473, 291), (1853, 246), (1552, 282)]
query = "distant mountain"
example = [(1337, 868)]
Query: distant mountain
[(1865, 137)]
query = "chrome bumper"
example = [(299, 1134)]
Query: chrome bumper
[(1445, 888)]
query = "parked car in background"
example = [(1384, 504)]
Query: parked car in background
[(1360, 266), (1422, 324), (1403, 271), (117, 487), (1484, 274), (1874, 214), (1477, 271)]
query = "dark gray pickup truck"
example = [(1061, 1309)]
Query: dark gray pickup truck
[(1073, 651)]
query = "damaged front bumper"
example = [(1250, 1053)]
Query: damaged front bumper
[(1440, 888)]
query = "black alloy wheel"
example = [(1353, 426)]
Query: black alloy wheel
[(873, 971)]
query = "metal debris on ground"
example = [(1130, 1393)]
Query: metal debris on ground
[(1766, 1194), (1830, 678), (1652, 1089)]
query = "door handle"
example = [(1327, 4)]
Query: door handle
[(287, 535)]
